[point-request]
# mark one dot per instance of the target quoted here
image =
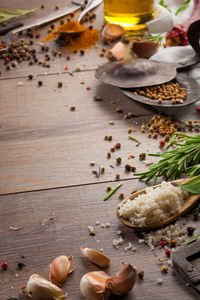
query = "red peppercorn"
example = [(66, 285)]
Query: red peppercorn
[(4, 265), (72, 14), (167, 252), (163, 243), (131, 156), (7, 59), (117, 146), (66, 68), (162, 144), (198, 109), (88, 88), (37, 35)]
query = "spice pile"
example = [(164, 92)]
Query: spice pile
[(74, 36), (167, 91)]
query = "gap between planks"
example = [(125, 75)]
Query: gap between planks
[(68, 186)]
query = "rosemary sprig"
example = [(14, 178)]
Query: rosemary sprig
[(111, 192), (9, 14), (192, 239), (184, 159)]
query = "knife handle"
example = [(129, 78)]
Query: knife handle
[(10, 27)]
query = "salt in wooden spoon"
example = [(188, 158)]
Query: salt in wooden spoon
[(188, 204)]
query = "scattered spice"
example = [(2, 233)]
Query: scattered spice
[(91, 230), (88, 88), (162, 144), (110, 193), (111, 122), (108, 155), (133, 139), (108, 188), (192, 239), (121, 195), (72, 108), (92, 163), (163, 243), (60, 84), (167, 252), (140, 274), (164, 269), (117, 146), (4, 265), (40, 83), (190, 230), (20, 265), (118, 160), (131, 156), (173, 243), (142, 156), (30, 77), (117, 176)]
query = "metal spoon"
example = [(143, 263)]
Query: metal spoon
[(187, 206), (91, 4)]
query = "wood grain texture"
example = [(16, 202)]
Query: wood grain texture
[(56, 222), (43, 144)]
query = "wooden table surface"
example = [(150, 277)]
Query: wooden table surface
[(47, 189)]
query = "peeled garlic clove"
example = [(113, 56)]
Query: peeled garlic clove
[(40, 288), (145, 49), (96, 257), (112, 32), (123, 281), (59, 269), (118, 52), (92, 285)]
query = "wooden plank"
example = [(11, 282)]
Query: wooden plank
[(43, 144), (90, 61), (56, 222)]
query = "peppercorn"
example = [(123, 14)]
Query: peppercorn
[(140, 274), (112, 149), (60, 84), (30, 77), (4, 265), (117, 176), (173, 243), (128, 167), (82, 52), (110, 138), (164, 269), (52, 26), (190, 230), (108, 188), (20, 265), (108, 155), (121, 195), (56, 7), (90, 27), (118, 160), (142, 156), (162, 144), (163, 243), (68, 58), (40, 83), (72, 108), (102, 169), (167, 252)]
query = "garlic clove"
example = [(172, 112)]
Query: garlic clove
[(92, 285), (123, 281), (145, 49), (96, 257), (59, 269), (118, 52), (112, 32), (40, 288)]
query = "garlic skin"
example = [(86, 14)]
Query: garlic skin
[(92, 285), (123, 281), (118, 52), (96, 257), (112, 32), (38, 288), (59, 269)]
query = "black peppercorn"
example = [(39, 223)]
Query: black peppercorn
[(30, 77), (40, 83)]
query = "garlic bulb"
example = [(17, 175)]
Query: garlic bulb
[(112, 32), (123, 281), (96, 257), (118, 52), (38, 288), (92, 285), (59, 269)]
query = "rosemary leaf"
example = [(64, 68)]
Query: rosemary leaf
[(182, 7), (133, 139), (165, 5), (192, 239), (111, 192)]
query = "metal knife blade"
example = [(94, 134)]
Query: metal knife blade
[(71, 7)]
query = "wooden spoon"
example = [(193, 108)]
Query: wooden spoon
[(187, 206)]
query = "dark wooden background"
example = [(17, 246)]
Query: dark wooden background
[(46, 183)]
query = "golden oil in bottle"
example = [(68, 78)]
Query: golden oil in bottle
[(130, 14)]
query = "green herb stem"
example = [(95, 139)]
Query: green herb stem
[(192, 239), (182, 7), (133, 139), (112, 192)]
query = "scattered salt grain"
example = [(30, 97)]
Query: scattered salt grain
[(108, 225), (20, 83), (117, 242), (159, 281), (119, 232)]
